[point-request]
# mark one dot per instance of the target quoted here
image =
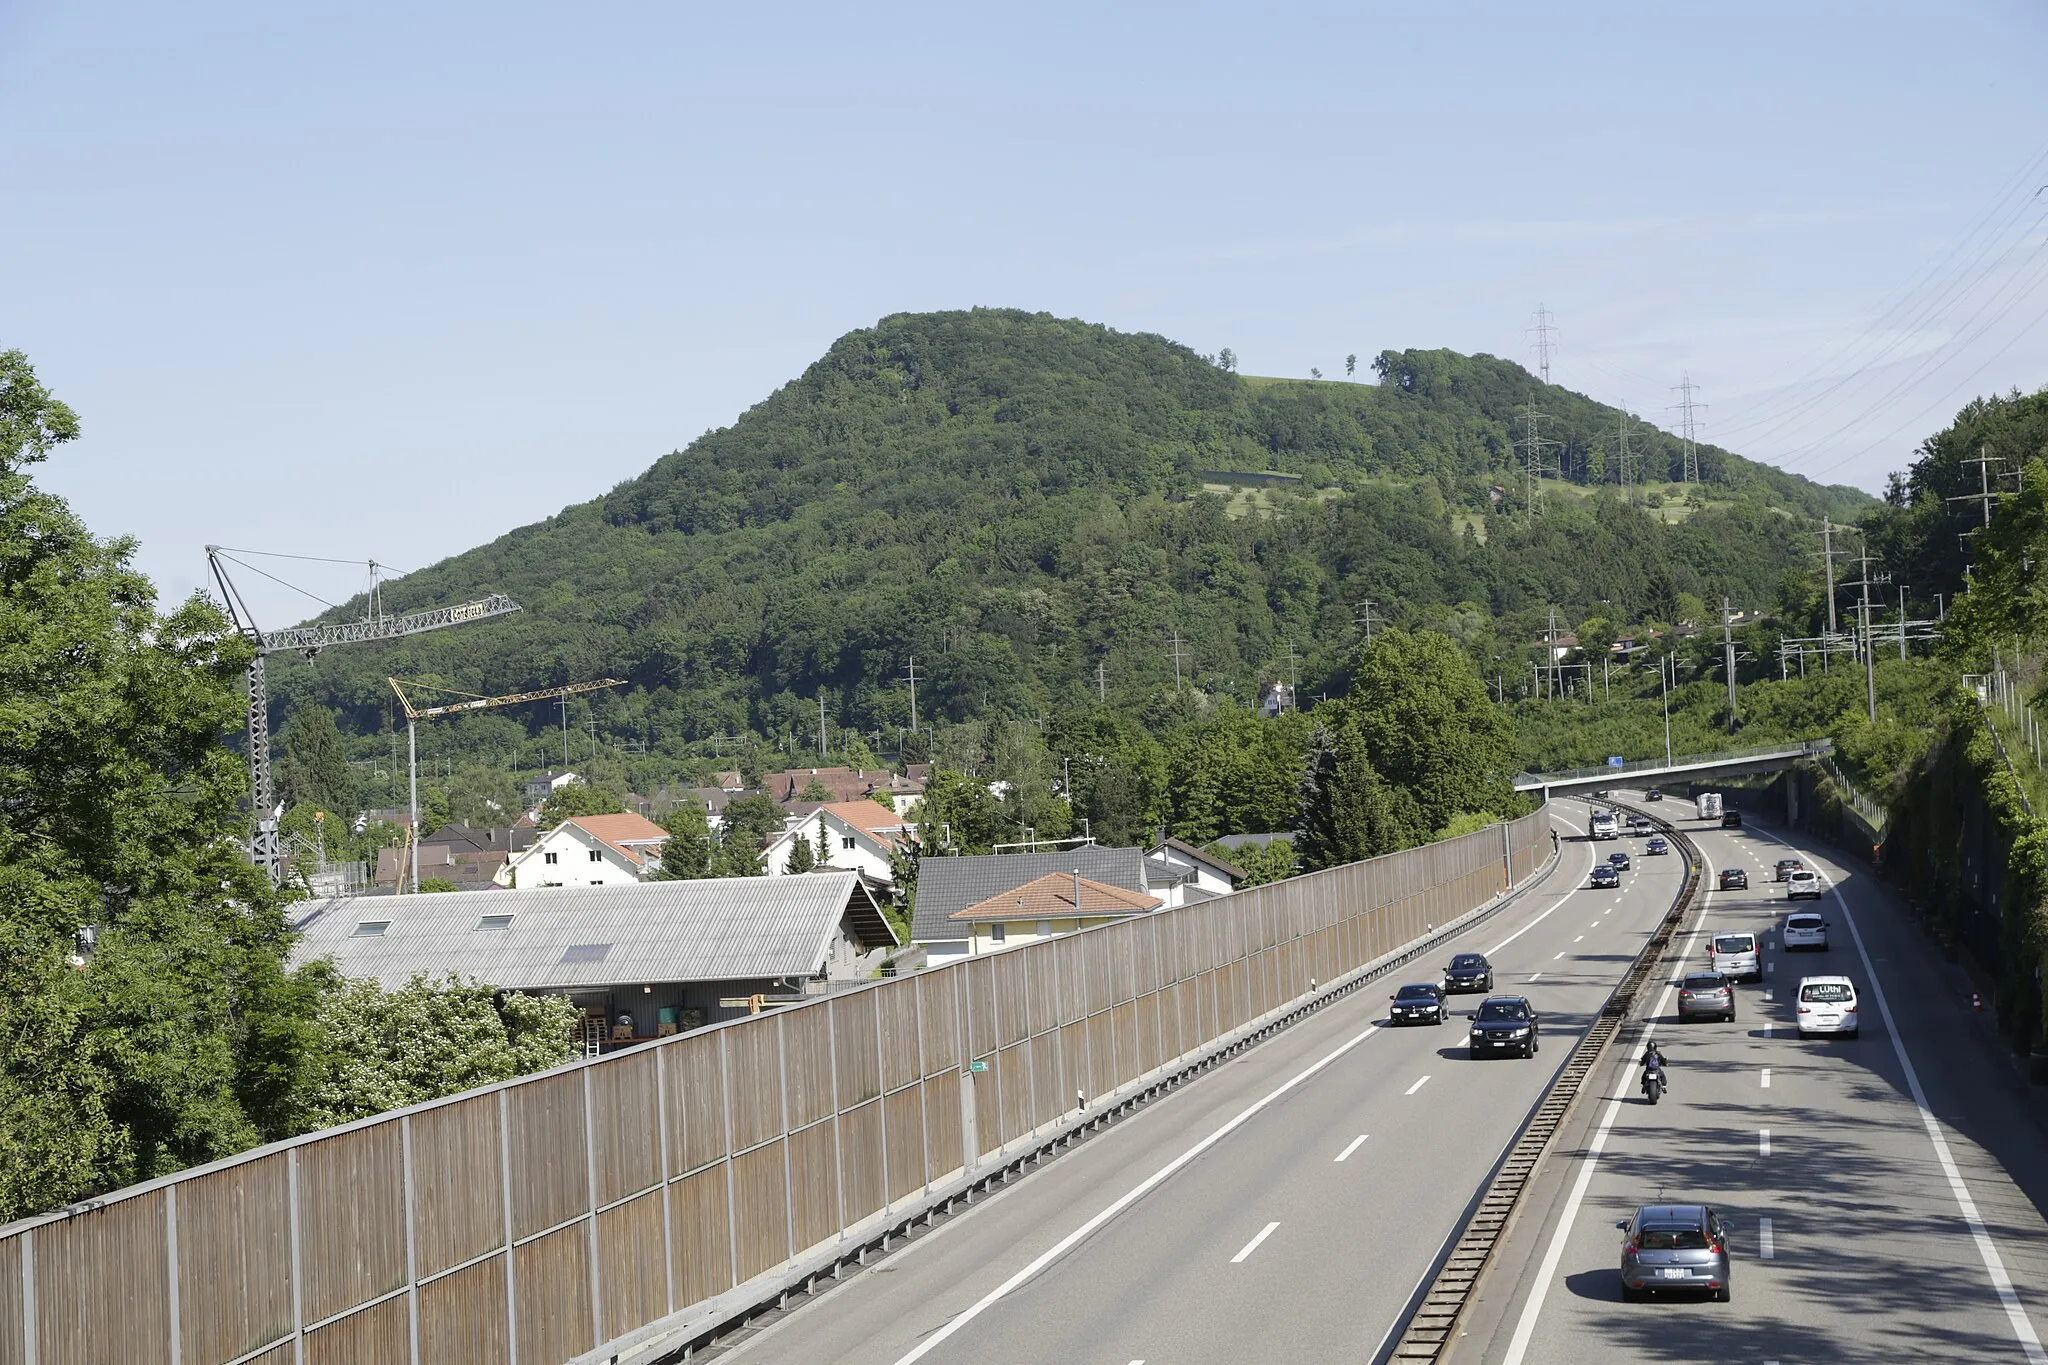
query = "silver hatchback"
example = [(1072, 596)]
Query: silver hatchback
[(1674, 1246)]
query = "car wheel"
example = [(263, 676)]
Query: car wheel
[(1631, 1295), (1723, 1294), (1471, 1054)]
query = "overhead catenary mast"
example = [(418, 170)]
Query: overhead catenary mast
[(265, 848)]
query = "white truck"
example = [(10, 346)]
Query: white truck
[(1606, 825), (1709, 804)]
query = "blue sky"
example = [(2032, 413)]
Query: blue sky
[(389, 280)]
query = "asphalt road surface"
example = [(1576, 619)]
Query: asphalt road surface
[(1875, 1186), (1347, 1154)]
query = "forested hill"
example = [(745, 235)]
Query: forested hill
[(1019, 500)]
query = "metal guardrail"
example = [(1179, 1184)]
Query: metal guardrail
[(1788, 748), (1432, 1327)]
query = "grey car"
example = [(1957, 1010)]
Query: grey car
[(1674, 1246)]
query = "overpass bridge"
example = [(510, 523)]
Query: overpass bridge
[(1728, 763)]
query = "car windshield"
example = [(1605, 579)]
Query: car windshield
[(1734, 943), (1671, 1239), (1704, 983), (1827, 993), (1467, 962), (1503, 1009), (1803, 922), (1417, 993)]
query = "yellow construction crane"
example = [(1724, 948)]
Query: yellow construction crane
[(470, 702)]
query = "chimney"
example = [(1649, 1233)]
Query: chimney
[(1077, 890)]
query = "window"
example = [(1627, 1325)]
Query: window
[(846, 841), (370, 928), (549, 858), (586, 952), (1672, 1239), (1819, 992), (596, 856), (1495, 1010), (997, 932), (495, 922), (1735, 943), (1045, 928)]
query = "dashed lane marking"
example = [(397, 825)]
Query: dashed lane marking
[(1356, 1143), (1418, 1085), (1253, 1244)]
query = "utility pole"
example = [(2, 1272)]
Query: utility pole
[(1866, 583), (1827, 553), (1543, 328), (913, 691), (1534, 466), (564, 704), (822, 751), (1983, 495), (1627, 458), (1728, 650), (1178, 654), (1101, 686), (1550, 670), (1902, 623), (1664, 686), (1688, 430), (1365, 619)]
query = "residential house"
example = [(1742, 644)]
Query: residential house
[(946, 885), (539, 789), (861, 835), (1275, 697), (590, 850), (640, 961), (471, 858), (1181, 874), (1056, 903), (905, 793)]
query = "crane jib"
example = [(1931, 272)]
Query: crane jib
[(390, 628)]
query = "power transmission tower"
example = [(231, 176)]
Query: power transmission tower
[(1532, 446), (1827, 554), (1178, 655), (1866, 583), (265, 848), (1365, 620), (1543, 328), (1689, 429)]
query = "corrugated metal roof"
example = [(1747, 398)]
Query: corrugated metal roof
[(716, 929), (945, 885)]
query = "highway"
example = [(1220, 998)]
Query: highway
[(1874, 1186), (1288, 1204)]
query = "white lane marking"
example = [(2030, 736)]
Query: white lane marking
[(1767, 1078), (1525, 1328), (1533, 976), (1253, 1244), (1554, 959), (1767, 1028), (1580, 939), (1766, 1249), (1987, 1250), (1596, 923), (1356, 1143), (1417, 1086), (1770, 968), (1768, 996), (1128, 1198), (1763, 1142)]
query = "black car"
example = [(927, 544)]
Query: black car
[(1505, 1024), (1619, 861), (1734, 879), (1605, 876), (1705, 994), (1421, 1003), (1731, 819), (1653, 795), (1468, 972)]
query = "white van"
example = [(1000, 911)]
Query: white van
[(1734, 956)]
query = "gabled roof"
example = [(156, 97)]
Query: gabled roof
[(1053, 896), (716, 929), (621, 832), (1193, 854), (947, 884)]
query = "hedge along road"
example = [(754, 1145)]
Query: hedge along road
[(1291, 1201), (1871, 1219)]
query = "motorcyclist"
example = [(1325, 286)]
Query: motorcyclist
[(1653, 1063)]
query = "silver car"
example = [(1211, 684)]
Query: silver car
[(1674, 1246)]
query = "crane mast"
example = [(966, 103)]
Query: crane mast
[(415, 714), (266, 849)]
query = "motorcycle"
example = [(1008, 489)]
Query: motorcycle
[(1654, 1083)]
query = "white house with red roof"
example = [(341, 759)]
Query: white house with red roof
[(860, 836), (589, 850)]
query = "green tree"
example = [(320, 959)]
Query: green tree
[(815, 790), (689, 850), (385, 1050), (802, 856), (958, 815), (749, 823), (579, 798), (182, 1037), (1431, 729), (313, 768), (1351, 366), (437, 884)]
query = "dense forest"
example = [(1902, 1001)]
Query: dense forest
[(1051, 516)]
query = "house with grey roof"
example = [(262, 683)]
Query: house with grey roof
[(948, 885), (640, 960)]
